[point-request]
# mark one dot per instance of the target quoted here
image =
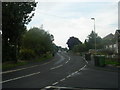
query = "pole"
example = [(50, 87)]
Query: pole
[(95, 35), (94, 32)]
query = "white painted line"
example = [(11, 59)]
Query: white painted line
[(69, 58), (66, 62), (20, 77), (56, 67), (62, 79), (10, 71), (48, 87), (85, 60), (82, 68), (68, 76), (76, 72), (18, 69), (72, 73), (55, 83)]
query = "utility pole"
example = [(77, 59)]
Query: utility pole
[(94, 32)]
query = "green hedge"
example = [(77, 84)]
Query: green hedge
[(26, 54)]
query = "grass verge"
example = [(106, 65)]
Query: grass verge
[(9, 65), (111, 62)]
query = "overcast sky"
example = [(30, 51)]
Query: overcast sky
[(66, 19)]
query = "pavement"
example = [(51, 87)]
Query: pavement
[(64, 70)]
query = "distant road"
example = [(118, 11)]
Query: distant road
[(64, 70)]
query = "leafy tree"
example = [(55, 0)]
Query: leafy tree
[(90, 43), (39, 41), (15, 15), (72, 41), (79, 48)]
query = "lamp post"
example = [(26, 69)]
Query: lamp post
[(94, 32)]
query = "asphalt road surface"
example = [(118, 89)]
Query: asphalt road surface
[(64, 70)]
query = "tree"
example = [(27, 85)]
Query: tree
[(72, 41), (90, 43), (39, 41), (15, 15)]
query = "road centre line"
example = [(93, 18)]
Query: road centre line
[(10, 71), (66, 62), (20, 77), (55, 83), (62, 79), (69, 75), (56, 67), (18, 69)]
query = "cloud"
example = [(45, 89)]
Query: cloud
[(64, 20)]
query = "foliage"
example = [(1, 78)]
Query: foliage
[(106, 52), (26, 54), (14, 17), (72, 41), (90, 43), (79, 48), (39, 41)]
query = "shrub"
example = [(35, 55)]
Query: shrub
[(26, 54)]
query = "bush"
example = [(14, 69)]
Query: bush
[(106, 52), (27, 54)]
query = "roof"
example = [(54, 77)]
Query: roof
[(109, 36), (117, 32)]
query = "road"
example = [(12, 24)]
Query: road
[(64, 70)]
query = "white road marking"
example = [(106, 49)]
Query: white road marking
[(62, 79), (66, 62), (69, 58), (20, 77), (10, 71), (18, 69), (56, 67), (76, 72), (68, 76), (55, 83), (82, 68), (85, 60)]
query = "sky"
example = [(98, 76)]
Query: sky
[(64, 19)]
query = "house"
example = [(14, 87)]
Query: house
[(109, 42)]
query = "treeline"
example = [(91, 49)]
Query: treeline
[(35, 43), (18, 43), (76, 45)]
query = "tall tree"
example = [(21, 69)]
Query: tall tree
[(38, 40), (15, 15), (72, 41), (90, 43)]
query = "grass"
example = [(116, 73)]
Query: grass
[(112, 62), (9, 65)]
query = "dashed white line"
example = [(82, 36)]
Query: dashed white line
[(68, 76), (66, 62), (10, 71), (85, 60), (18, 69), (20, 77), (82, 68), (56, 67), (76, 72), (62, 79), (69, 58), (55, 83)]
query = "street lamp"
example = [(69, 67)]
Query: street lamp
[(94, 32)]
